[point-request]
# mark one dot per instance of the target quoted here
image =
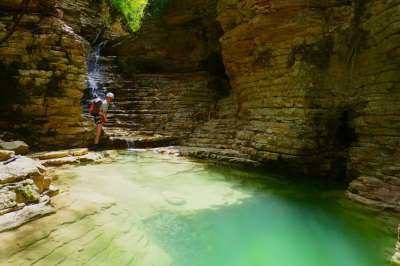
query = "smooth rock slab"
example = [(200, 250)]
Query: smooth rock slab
[(91, 157), (86, 158), (61, 161), (19, 147), (59, 154), (19, 169), (14, 220)]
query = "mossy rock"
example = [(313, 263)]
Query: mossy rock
[(27, 194)]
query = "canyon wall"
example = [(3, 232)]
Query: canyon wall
[(316, 84), (43, 69), (313, 84), (171, 74), (43, 72)]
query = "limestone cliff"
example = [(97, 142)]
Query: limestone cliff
[(171, 71), (43, 68), (316, 84), (43, 72)]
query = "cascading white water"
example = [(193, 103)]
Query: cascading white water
[(95, 75)]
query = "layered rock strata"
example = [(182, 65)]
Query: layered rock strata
[(152, 108), (315, 84), (43, 73), (171, 71)]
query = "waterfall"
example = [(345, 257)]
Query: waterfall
[(95, 74)]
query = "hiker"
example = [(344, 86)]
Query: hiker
[(98, 109)]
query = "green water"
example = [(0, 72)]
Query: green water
[(151, 209), (266, 230)]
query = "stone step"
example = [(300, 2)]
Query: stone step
[(218, 154), (59, 154)]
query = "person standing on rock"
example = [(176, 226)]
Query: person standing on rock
[(98, 109)]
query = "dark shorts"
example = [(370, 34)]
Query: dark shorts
[(97, 119)]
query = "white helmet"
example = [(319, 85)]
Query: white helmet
[(110, 94)]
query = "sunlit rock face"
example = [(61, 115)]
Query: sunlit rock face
[(43, 72), (316, 86)]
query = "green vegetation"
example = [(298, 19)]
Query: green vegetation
[(132, 10)]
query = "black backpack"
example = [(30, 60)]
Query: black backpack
[(94, 106)]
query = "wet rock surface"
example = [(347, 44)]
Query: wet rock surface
[(105, 224), (15, 219), (26, 184), (106, 214)]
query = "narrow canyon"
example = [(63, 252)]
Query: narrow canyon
[(304, 88)]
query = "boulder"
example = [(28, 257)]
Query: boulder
[(42, 182), (19, 147), (5, 155), (19, 169), (52, 191)]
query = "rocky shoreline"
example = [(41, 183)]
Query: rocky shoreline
[(25, 187), (25, 180)]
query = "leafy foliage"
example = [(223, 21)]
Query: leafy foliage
[(132, 10)]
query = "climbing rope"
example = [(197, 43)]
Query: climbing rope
[(16, 19)]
